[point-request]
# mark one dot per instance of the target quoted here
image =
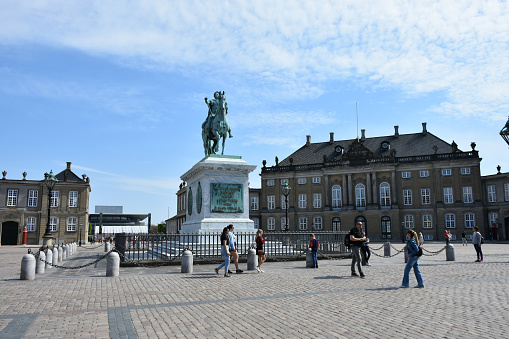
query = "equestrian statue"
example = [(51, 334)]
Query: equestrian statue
[(216, 125)]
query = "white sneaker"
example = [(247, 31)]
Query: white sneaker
[(258, 269), (261, 271)]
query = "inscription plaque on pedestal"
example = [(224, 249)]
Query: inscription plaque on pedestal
[(227, 198)]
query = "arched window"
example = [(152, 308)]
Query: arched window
[(336, 196), (386, 228), (271, 224), (360, 195), (336, 225), (385, 195)]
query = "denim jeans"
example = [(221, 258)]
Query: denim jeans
[(315, 259), (412, 262), (226, 257), (356, 258), (479, 251)]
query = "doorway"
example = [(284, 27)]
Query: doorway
[(10, 233)]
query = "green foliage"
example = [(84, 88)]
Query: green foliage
[(161, 227)]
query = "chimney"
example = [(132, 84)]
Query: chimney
[(69, 165), (331, 138), (308, 140), (363, 134), (424, 131), (396, 131)]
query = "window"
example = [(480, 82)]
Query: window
[(336, 224), (317, 180), (271, 224), (360, 195), (284, 181), (450, 220), (429, 237), (302, 201), (73, 198), (283, 224), (426, 221), (469, 220), (386, 228), (317, 200), (302, 181), (33, 196), (446, 172), (493, 217), (385, 195), (254, 203), (256, 223), (12, 197), (270, 183), (283, 202), (271, 202), (424, 174), (492, 196), (406, 175), (317, 223), (448, 197), (506, 192), (303, 223), (31, 224), (53, 224), (409, 221), (71, 224), (465, 170), (467, 195), (55, 198), (407, 197), (425, 196), (336, 196)]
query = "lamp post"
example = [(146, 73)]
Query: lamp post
[(50, 181), (286, 191), (79, 242), (504, 133)]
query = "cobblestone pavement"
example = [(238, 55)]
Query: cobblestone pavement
[(461, 299)]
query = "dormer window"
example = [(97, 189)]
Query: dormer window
[(339, 150), (385, 146)]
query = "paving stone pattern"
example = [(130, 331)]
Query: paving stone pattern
[(461, 299)]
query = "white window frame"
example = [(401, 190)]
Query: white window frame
[(336, 197), (55, 199), (469, 220), (317, 223), (428, 237), (303, 200), (33, 198), (284, 181), (271, 224), (409, 221), (448, 195), (407, 197), (425, 196), (283, 224), (468, 196), (303, 223), (506, 191), (360, 195), (450, 220), (256, 223), (424, 173), (271, 202), (31, 224), (73, 198), (317, 180), (427, 221), (492, 194), (335, 223), (271, 182), (254, 203), (465, 170), (53, 224), (385, 194), (283, 202), (493, 218), (317, 200), (301, 181), (12, 198), (71, 224), (446, 172), (406, 175)]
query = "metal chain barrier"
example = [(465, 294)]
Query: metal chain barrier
[(395, 254), (158, 264), (432, 253), (37, 257)]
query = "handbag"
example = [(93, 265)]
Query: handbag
[(260, 252), (419, 251)]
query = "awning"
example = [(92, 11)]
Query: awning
[(125, 229)]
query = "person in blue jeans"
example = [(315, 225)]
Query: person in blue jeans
[(225, 244), (314, 249), (413, 260)]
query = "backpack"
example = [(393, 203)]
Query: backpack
[(347, 241)]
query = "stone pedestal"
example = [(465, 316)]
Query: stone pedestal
[(218, 195)]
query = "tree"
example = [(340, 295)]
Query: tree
[(161, 227)]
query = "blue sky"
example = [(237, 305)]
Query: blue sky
[(117, 87)]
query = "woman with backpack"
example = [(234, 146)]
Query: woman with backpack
[(414, 252)]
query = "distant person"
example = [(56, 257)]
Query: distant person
[(314, 250), (477, 241), (447, 237), (234, 253), (225, 245), (259, 250), (356, 241), (365, 251), (413, 260), (464, 238), (421, 239)]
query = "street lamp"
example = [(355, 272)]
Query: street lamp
[(286, 191), (504, 133), (79, 242), (50, 181)]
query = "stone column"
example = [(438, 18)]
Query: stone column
[(350, 190), (326, 191), (368, 189), (374, 186), (344, 191), (393, 188)]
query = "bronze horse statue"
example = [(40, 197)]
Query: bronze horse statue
[(216, 125)]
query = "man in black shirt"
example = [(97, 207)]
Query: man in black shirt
[(356, 240)]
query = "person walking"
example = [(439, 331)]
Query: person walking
[(413, 260), (365, 251), (447, 237), (356, 241), (464, 239), (234, 253), (225, 245), (421, 239), (477, 241), (314, 250), (259, 250)]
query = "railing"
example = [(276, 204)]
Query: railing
[(208, 245)]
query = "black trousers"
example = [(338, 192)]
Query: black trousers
[(366, 253)]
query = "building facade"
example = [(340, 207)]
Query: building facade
[(24, 204), (496, 202), (391, 183)]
